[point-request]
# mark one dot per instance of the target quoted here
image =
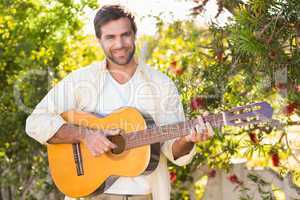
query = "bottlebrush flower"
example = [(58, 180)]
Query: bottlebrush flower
[(297, 88), (179, 71), (220, 55), (273, 55), (173, 65), (173, 177), (197, 102), (253, 138), (281, 86), (175, 68), (290, 108), (275, 158), (212, 173), (234, 180)]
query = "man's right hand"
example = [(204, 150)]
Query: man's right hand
[(97, 142)]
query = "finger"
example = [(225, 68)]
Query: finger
[(96, 152), (112, 146), (116, 131), (104, 147), (189, 137), (99, 152), (201, 137), (198, 132), (200, 122), (93, 152), (204, 137), (192, 138), (108, 143), (199, 129), (194, 132), (100, 147), (210, 129), (197, 138)]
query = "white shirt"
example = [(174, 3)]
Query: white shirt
[(92, 89)]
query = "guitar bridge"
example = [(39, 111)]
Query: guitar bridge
[(78, 159)]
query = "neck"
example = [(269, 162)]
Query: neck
[(122, 73), (167, 132)]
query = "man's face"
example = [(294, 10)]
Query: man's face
[(117, 41)]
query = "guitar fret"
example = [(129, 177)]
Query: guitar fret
[(166, 132), (163, 133), (151, 135)]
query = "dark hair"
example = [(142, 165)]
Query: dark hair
[(111, 12)]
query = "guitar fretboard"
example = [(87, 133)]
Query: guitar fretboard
[(162, 133)]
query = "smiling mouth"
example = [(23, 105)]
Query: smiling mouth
[(120, 53)]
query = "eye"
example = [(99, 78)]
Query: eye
[(127, 34), (109, 37)]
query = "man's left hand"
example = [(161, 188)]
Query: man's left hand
[(201, 132)]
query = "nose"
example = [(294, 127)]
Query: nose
[(119, 43)]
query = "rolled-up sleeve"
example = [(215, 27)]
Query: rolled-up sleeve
[(172, 112), (45, 120)]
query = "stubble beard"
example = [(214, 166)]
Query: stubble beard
[(115, 61)]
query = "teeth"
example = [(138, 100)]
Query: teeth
[(121, 52)]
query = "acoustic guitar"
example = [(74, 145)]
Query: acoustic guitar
[(77, 173)]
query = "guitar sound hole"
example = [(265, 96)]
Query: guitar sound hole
[(119, 141)]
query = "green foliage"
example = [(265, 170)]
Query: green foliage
[(40, 40), (254, 57)]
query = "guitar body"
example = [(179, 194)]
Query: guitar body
[(99, 173)]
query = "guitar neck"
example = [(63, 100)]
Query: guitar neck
[(167, 132)]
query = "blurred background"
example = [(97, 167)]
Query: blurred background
[(220, 54)]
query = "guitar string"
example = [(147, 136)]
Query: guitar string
[(189, 125), (140, 140)]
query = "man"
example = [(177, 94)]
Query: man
[(118, 81)]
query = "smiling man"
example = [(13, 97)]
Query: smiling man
[(119, 80)]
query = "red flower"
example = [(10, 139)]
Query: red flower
[(212, 173), (175, 69), (173, 177), (275, 158), (290, 108), (197, 102), (272, 55), (234, 179), (297, 88), (179, 71), (281, 86), (173, 65), (220, 55), (253, 138)]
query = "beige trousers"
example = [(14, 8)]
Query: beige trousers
[(121, 197)]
